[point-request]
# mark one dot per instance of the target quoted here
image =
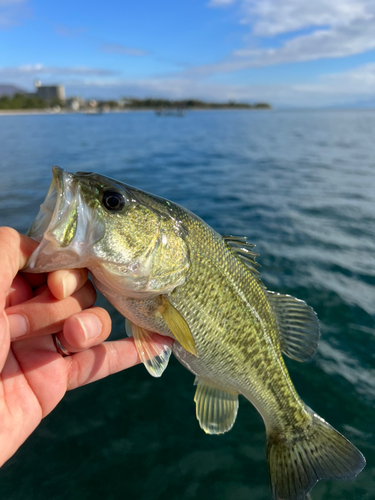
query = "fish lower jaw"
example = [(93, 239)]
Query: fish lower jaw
[(49, 256)]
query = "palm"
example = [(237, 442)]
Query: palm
[(33, 375), (32, 382)]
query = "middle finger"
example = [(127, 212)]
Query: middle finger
[(44, 314)]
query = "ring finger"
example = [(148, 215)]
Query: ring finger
[(84, 330)]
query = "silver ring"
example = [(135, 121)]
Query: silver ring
[(59, 347)]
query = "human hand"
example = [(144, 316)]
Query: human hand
[(33, 375)]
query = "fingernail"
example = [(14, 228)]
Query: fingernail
[(69, 283), (91, 326), (18, 325)]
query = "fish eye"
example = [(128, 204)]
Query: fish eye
[(113, 201)]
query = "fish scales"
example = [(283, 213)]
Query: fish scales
[(168, 272), (215, 301)]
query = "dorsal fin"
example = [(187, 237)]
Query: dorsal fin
[(244, 251), (298, 326), (298, 323)]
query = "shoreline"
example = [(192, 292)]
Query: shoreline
[(15, 112), (11, 112)]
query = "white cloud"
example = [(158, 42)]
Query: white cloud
[(35, 70), (317, 29), (336, 89), (119, 48), (220, 3), (63, 30), (176, 88), (273, 17), (345, 88), (357, 82), (12, 12), (6, 3), (339, 89), (342, 41), (23, 76)]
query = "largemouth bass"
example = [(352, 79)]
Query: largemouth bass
[(168, 272)]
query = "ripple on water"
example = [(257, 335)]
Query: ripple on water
[(300, 185)]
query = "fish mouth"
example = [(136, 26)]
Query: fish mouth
[(65, 227)]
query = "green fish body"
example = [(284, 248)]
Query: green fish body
[(168, 272)]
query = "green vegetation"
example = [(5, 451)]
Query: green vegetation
[(30, 101), (27, 101), (22, 101), (188, 104)]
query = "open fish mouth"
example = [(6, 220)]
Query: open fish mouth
[(65, 227)]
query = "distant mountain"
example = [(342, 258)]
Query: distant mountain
[(369, 104), (10, 90)]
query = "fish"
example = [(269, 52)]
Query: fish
[(166, 271)]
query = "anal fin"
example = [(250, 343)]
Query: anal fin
[(216, 409), (154, 350)]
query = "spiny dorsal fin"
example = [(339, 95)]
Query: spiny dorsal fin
[(244, 251), (178, 326), (154, 350), (298, 326), (216, 409)]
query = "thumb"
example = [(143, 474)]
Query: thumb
[(4, 339)]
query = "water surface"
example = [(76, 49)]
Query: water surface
[(301, 186)]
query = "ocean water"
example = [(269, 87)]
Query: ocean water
[(298, 184)]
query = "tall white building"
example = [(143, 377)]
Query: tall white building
[(49, 92)]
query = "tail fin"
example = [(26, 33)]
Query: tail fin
[(296, 464)]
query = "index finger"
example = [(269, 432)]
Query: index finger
[(104, 359), (15, 249), (100, 361)]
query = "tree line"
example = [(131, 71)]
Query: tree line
[(25, 101), (29, 101), (190, 104)]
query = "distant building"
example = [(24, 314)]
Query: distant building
[(49, 92), (75, 103), (123, 103)]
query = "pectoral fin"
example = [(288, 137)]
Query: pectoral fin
[(154, 350), (178, 326), (216, 409)]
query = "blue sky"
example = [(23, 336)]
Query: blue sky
[(286, 52)]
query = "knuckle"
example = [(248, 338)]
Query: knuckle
[(8, 233)]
